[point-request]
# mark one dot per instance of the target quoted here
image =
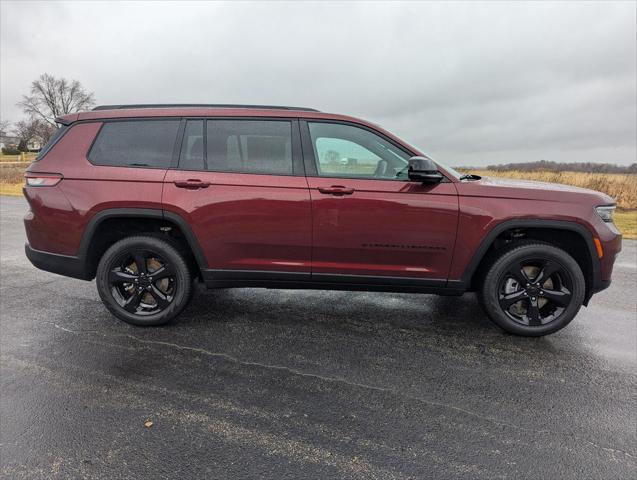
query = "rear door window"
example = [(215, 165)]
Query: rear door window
[(249, 146), (136, 143)]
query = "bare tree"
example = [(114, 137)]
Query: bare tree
[(32, 130), (4, 126), (51, 97)]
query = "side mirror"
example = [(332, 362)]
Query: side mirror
[(422, 169)]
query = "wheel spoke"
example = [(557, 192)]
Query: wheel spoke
[(140, 261), (533, 313), (509, 299), (548, 269), (561, 298), (162, 272), (518, 274), (119, 276), (133, 302), (159, 296)]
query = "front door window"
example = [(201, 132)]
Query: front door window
[(346, 151)]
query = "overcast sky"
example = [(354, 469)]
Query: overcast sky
[(469, 83)]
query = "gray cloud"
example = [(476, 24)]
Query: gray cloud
[(470, 83)]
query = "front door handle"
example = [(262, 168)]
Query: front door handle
[(336, 190), (191, 184)]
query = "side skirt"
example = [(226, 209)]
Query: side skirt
[(320, 281)]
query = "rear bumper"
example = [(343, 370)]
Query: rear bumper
[(66, 265)]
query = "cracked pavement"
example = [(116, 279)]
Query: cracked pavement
[(255, 383)]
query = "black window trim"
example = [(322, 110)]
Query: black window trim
[(311, 167), (298, 166)]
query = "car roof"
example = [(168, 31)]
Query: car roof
[(195, 110), (199, 110)]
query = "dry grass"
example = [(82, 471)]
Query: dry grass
[(12, 174), (626, 221), (622, 188), (12, 189), (24, 157)]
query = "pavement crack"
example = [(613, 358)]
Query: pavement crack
[(339, 380)]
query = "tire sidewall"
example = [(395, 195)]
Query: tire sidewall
[(490, 293), (183, 279)]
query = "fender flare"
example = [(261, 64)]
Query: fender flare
[(153, 213), (490, 237)]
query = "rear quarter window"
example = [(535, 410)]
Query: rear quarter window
[(61, 130), (136, 143)]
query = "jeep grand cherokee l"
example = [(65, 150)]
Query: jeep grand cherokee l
[(149, 198)]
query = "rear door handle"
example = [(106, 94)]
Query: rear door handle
[(336, 190), (191, 184)]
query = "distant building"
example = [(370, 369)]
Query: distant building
[(8, 141)]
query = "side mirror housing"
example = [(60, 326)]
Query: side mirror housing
[(422, 169)]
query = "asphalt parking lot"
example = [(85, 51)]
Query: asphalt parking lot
[(308, 384)]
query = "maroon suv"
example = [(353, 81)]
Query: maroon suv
[(148, 198)]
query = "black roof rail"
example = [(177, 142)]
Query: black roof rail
[(197, 105)]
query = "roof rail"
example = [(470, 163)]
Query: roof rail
[(197, 105)]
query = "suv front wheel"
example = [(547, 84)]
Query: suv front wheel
[(144, 280), (533, 289)]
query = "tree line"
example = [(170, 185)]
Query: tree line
[(549, 166)]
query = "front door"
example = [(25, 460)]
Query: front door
[(240, 185), (369, 221)]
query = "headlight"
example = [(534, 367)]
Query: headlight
[(606, 212)]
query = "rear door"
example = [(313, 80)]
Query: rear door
[(240, 185), (369, 221)]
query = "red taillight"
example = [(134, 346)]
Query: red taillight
[(34, 179)]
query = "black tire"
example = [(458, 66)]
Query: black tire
[(144, 281), (532, 289)]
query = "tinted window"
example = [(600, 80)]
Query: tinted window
[(347, 151), (250, 146), (137, 143), (191, 156)]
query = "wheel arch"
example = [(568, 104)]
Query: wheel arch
[(146, 217), (557, 232)]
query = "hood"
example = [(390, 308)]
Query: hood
[(499, 187)]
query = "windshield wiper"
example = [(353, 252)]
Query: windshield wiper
[(469, 176)]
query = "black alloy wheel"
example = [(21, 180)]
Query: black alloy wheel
[(142, 283), (535, 291), (144, 280), (532, 288)]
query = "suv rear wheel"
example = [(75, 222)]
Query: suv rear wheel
[(144, 280), (533, 289)]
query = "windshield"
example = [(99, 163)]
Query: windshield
[(449, 169)]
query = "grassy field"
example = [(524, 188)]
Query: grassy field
[(626, 221), (12, 189), (24, 157), (621, 187)]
